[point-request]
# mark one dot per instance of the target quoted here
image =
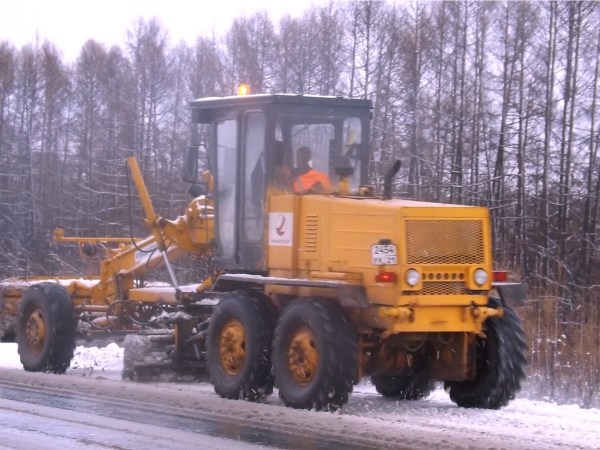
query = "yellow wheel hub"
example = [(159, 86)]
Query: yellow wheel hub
[(35, 330), (303, 356), (232, 347)]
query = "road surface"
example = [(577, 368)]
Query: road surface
[(99, 411)]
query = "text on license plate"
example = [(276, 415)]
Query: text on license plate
[(383, 254)]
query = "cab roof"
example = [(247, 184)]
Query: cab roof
[(290, 99)]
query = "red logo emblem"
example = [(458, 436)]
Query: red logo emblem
[(280, 225)]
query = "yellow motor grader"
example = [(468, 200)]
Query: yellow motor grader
[(316, 280)]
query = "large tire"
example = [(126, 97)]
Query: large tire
[(501, 361), (403, 387), (238, 347), (315, 355), (46, 328)]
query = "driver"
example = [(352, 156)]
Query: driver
[(308, 178)]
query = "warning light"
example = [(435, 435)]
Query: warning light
[(244, 89)]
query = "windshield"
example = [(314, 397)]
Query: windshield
[(306, 148)]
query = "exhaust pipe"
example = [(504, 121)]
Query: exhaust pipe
[(388, 178)]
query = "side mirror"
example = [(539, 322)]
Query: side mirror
[(196, 190), (189, 172), (343, 166)]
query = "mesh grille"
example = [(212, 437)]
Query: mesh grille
[(312, 231), (444, 241), (443, 288)]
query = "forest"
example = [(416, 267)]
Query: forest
[(486, 103)]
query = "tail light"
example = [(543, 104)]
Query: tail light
[(385, 277), (500, 276)]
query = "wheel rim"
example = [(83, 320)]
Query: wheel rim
[(303, 356), (35, 330), (232, 347)]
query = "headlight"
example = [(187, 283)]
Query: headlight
[(480, 276), (412, 277)]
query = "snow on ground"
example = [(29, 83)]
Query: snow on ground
[(107, 358), (526, 420), (522, 424), (9, 358)]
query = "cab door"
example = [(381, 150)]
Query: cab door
[(226, 187), (252, 216)]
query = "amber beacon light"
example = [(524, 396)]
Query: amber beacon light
[(244, 89)]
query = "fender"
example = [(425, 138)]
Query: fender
[(512, 294)]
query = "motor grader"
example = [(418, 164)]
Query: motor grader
[(308, 290)]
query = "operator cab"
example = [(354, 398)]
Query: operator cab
[(281, 144)]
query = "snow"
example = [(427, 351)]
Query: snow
[(80, 281), (529, 421), (107, 358), (9, 358), (168, 289), (25, 282), (434, 422)]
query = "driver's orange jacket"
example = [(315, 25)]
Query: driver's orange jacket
[(307, 180)]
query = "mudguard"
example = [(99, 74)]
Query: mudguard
[(512, 294)]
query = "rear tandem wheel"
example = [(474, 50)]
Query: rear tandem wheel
[(314, 355)]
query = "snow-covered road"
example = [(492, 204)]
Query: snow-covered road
[(28, 426), (367, 419)]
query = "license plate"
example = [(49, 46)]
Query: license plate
[(383, 254)]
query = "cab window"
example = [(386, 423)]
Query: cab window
[(226, 185), (305, 150), (352, 148), (254, 179), (316, 137)]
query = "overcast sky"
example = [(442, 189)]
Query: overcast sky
[(69, 23)]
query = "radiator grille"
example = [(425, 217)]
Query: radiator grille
[(312, 232), (443, 288), (444, 241)]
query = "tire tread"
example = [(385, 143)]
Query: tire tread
[(499, 376), (403, 387), (341, 358), (258, 382), (61, 323)]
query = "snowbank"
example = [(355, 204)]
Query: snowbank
[(107, 358), (9, 357)]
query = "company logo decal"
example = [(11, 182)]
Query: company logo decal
[(281, 229), (280, 225)]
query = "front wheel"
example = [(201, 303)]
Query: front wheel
[(238, 347), (314, 355), (500, 365), (46, 328)]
